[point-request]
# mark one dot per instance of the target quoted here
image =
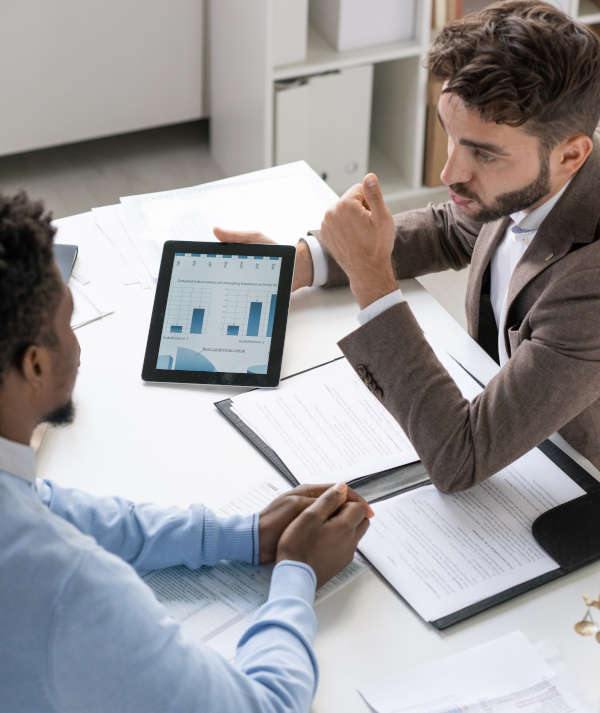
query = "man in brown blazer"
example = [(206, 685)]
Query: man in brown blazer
[(520, 103)]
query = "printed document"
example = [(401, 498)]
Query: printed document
[(326, 426), (507, 675), (443, 553), (217, 604)]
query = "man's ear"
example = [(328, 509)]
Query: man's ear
[(573, 153), (35, 366)]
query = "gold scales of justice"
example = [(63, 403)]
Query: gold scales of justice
[(587, 626)]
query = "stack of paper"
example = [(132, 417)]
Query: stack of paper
[(284, 203), (217, 604), (508, 675)]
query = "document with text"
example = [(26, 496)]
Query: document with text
[(325, 424), (217, 604), (443, 553), (508, 675)]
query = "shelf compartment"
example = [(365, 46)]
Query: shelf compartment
[(322, 57)]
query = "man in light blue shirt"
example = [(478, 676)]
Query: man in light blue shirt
[(79, 630)]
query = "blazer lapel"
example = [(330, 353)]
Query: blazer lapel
[(489, 237)]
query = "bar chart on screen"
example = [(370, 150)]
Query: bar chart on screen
[(248, 313), (220, 313), (187, 310)]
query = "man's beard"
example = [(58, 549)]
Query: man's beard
[(62, 416), (515, 201)]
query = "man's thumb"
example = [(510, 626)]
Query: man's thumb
[(372, 191), (330, 500)]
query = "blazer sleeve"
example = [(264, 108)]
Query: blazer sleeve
[(551, 377), (428, 240)]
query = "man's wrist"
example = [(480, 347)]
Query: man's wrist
[(303, 270), (369, 289)]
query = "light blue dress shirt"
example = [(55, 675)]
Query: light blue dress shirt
[(80, 632)]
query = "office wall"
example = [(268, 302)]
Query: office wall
[(78, 69)]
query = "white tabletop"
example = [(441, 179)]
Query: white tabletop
[(168, 444)]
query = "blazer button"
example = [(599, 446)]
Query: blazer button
[(367, 379), (378, 393), (372, 386), (362, 372)]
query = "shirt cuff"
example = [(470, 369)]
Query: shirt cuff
[(293, 579), (320, 266), (231, 538), (379, 306)]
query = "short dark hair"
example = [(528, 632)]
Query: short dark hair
[(30, 285), (523, 63)]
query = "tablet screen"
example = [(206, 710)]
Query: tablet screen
[(219, 313)]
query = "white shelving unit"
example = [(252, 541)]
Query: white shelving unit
[(587, 11), (242, 82), (242, 92)]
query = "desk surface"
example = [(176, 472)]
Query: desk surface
[(168, 444)]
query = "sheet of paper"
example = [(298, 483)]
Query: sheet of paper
[(325, 425), (218, 604), (507, 675), (283, 203), (107, 219), (89, 303), (445, 552)]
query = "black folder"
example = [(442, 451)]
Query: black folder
[(65, 257), (570, 533)]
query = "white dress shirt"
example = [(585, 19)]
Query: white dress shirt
[(504, 261)]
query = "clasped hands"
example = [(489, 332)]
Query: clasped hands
[(359, 233), (319, 525)]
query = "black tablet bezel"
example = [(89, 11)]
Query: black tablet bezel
[(271, 378)]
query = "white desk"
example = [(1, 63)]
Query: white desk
[(168, 444)]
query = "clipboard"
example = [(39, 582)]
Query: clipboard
[(569, 533)]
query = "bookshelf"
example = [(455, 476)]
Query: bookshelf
[(242, 79)]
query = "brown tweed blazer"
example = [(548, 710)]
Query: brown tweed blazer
[(552, 332)]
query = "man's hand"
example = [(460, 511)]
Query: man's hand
[(303, 270), (276, 517), (359, 232), (326, 534)]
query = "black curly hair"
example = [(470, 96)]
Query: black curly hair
[(30, 284)]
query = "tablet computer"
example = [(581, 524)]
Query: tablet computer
[(220, 314)]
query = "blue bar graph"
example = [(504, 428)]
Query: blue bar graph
[(179, 254), (233, 331), (211, 256), (165, 361), (243, 257), (227, 255), (274, 258), (254, 319), (271, 316), (197, 321), (196, 254), (177, 330)]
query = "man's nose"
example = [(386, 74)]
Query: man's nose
[(456, 169)]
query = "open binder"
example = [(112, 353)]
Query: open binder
[(570, 533)]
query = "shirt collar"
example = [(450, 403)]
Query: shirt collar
[(17, 459), (533, 220)]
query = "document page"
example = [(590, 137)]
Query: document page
[(283, 204), (443, 553), (325, 424), (217, 604), (507, 675)]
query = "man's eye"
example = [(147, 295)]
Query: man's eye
[(484, 158)]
